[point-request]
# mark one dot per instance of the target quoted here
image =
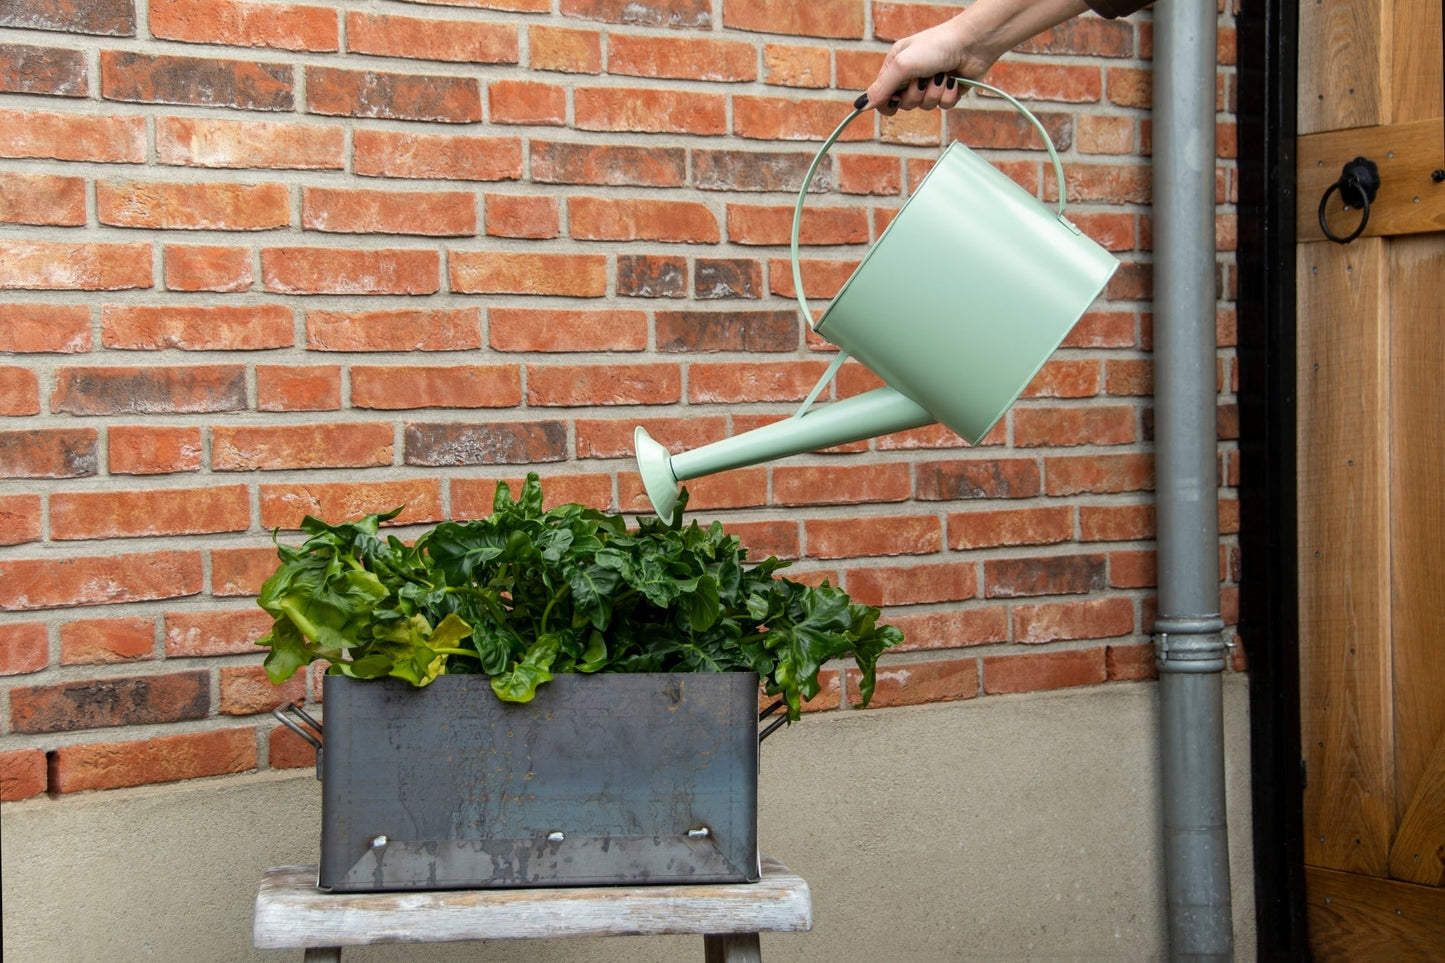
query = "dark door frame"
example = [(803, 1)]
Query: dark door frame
[(1267, 35)]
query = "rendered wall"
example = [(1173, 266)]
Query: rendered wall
[(1010, 828)]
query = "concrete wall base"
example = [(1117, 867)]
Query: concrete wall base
[(994, 829)]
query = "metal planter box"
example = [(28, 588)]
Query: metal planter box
[(602, 779)]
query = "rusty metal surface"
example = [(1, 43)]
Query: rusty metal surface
[(607, 779)]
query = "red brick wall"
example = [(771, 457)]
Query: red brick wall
[(260, 259)]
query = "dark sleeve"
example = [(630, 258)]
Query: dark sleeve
[(1117, 8)]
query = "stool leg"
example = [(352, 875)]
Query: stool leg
[(323, 954), (732, 948)]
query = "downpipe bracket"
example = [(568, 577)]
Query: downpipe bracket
[(1191, 645)]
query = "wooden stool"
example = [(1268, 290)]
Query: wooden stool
[(291, 913)]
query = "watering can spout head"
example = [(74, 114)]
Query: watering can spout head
[(654, 463)]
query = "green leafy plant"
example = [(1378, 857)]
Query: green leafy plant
[(525, 594)]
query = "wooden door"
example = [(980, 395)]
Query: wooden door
[(1371, 470)]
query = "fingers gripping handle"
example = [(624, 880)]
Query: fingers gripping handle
[(833, 138)]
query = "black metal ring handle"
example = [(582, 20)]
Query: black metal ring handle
[(1357, 186)]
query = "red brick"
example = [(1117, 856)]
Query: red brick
[(607, 164), (1023, 526), (883, 535), (298, 387), (836, 19), (1132, 569), (429, 386), (587, 385), (821, 279), (79, 266), (22, 774), (1065, 379), (500, 443), (107, 641), (787, 65), (917, 683), (841, 484), (1052, 81), (112, 514), (310, 270), (113, 765), (386, 153), (1043, 575), (400, 330), (154, 390), (279, 447), (1116, 523), (44, 199), (717, 278), (27, 584), (752, 381), (223, 632), (1131, 87), (1094, 425), (284, 506), (530, 217), (1131, 662), (351, 211), (393, 96), (567, 275), (641, 219), (978, 478), (564, 50), (614, 438), (1103, 184), (24, 648), (651, 276), (106, 17), (856, 68), (1099, 618), (1086, 36), (1098, 474), (772, 225), (153, 450), (739, 170), (681, 58), (53, 71), (913, 584), (98, 703), (72, 137), (245, 691), (1104, 329), (287, 750), (648, 13), (197, 328), (207, 268), (1038, 671), (526, 102), (953, 628), (240, 571), (866, 174), (473, 497), (35, 328), (237, 23), (19, 519), (750, 331), (528, 329), (1106, 134), (649, 111), (454, 41), (213, 142), (196, 81), (48, 453), (740, 488), (19, 391)]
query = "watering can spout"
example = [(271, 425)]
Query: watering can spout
[(878, 412)]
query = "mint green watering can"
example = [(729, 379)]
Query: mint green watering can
[(957, 306)]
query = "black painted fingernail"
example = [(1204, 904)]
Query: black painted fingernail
[(861, 102), (922, 83), (938, 78), (951, 83), (893, 103)]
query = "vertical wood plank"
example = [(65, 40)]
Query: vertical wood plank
[(1417, 502), (1417, 64), (1418, 854), (1343, 64), (1343, 557)]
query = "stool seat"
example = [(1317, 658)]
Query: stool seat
[(291, 913)]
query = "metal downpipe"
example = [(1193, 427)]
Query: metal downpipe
[(1189, 645)]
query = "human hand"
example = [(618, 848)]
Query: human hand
[(918, 70)]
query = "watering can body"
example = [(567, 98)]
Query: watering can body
[(956, 307)]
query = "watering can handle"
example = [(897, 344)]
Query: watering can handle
[(832, 139)]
